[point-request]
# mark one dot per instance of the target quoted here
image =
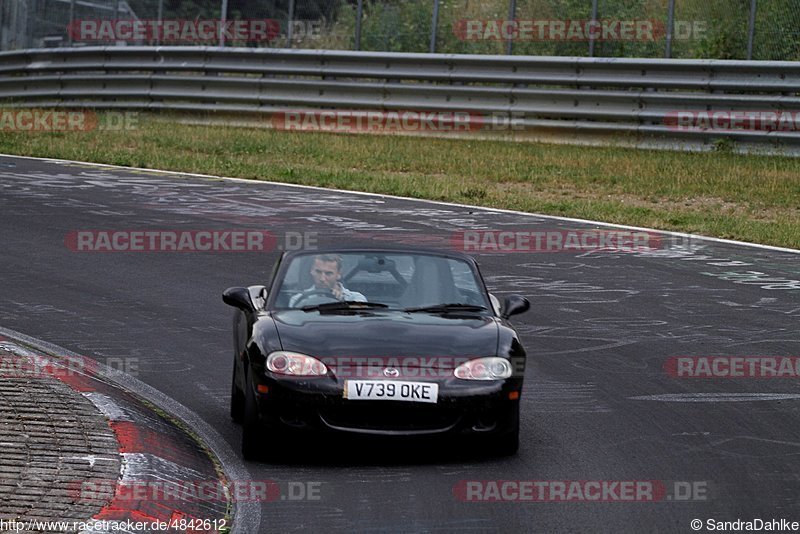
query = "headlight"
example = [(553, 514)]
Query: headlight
[(484, 369), (295, 364)]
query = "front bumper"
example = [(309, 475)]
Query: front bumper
[(318, 405)]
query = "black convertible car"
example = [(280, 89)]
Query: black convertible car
[(390, 342)]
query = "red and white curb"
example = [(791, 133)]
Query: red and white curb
[(152, 463), (156, 455)]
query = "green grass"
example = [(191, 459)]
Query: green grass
[(749, 198)]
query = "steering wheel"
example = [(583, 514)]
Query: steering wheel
[(325, 295)]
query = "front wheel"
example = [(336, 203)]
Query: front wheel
[(237, 399), (252, 431), (507, 444)]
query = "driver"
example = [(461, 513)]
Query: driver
[(326, 272)]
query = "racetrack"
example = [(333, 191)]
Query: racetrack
[(602, 326)]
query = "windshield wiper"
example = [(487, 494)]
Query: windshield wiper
[(343, 305), (444, 308)]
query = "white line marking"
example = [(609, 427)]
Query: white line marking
[(718, 397)]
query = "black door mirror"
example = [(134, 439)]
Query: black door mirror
[(238, 297), (514, 305)]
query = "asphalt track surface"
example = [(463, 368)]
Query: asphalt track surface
[(597, 403)]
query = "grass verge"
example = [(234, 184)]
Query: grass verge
[(748, 198)]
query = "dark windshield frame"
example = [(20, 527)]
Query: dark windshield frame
[(289, 257)]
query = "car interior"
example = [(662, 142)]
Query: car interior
[(397, 280)]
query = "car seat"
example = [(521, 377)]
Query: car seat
[(432, 283)]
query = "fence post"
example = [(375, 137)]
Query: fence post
[(28, 30), (223, 18), (6, 38), (670, 29), (751, 32), (160, 18), (359, 14), (18, 24), (71, 21), (289, 25), (512, 14), (591, 34), (434, 24), (4, 35)]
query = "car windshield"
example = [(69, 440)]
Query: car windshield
[(365, 280)]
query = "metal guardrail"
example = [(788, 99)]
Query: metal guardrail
[(589, 100)]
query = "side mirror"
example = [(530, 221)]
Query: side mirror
[(258, 296), (238, 297), (514, 305), (495, 304)]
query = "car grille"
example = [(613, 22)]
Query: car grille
[(389, 416)]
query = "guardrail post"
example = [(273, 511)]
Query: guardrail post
[(512, 14), (434, 24), (751, 31), (223, 18), (591, 34), (359, 14), (670, 28)]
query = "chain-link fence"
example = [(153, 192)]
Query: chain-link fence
[(714, 29)]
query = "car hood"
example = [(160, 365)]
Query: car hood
[(387, 335)]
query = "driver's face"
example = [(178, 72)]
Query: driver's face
[(325, 274)]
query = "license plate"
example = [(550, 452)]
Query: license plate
[(391, 390)]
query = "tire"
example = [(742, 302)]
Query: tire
[(507, 444), (252, 432), (237, 399)]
